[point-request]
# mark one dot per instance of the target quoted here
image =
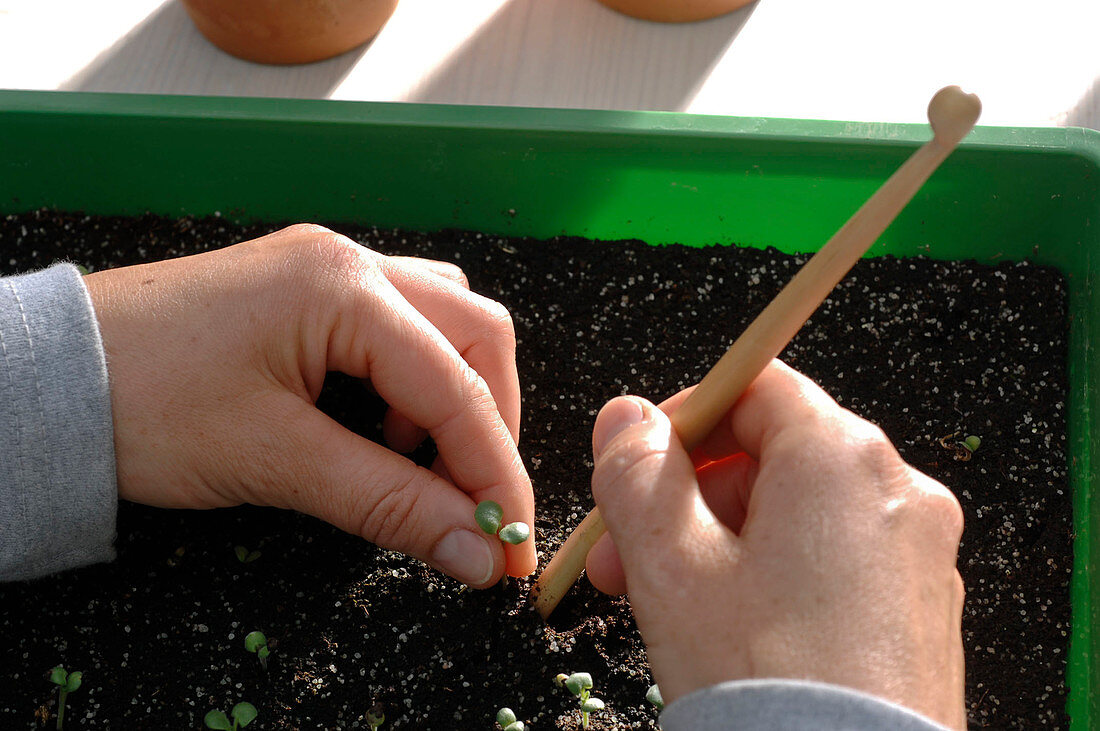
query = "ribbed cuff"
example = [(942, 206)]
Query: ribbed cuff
[(58, 489), (792, 705)]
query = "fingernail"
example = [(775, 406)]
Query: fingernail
[(465, 556), (614, 417)]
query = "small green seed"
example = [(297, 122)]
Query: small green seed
[(653, 695), (591, 705), (489, 515), (517, 726), (506, 716), (972, 443), (515, 533)]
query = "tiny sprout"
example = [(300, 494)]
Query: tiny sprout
[(256, 642), (375, 717), (66, 683), (506, 717), (242, 713), (580, 685), (489, 516), (653, 695), (965, 449), (244, 555)]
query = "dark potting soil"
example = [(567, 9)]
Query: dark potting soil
[(926, 349)]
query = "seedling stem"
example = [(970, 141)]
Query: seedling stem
[(66, 683)]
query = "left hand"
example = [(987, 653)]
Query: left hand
[(216, 361)]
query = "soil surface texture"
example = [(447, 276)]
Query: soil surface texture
[(931, 351)]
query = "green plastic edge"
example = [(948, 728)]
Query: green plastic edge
[(1072, 152), (1072, 139)]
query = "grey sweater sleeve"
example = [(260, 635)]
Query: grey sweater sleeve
[(58, 494), (792, 705)]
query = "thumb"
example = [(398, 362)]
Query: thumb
[(367, 490), (645, 485)]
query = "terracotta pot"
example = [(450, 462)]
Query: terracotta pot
[(288, 31), (675, 11)]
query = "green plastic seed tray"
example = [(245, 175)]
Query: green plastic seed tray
[(661, 177)]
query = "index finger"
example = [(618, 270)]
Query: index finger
[(479, 328), (419, 373), (778, 399)]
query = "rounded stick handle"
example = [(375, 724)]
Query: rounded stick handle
[(952, 114)]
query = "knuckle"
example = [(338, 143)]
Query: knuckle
[(492, 333), (939, 507), (453, 272), (329, 260), (868, 438), (389, 519), (626, 461), (334, 251), (498, 327), (944, 510), (304, 230), (471, 397), (474, 392), (872, 449)]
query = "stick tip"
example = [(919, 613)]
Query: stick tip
[(953, 113), (543, 601)]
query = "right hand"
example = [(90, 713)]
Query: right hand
[(793, 543)]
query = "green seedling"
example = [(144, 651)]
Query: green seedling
[(66, 683), (256, 642), (580, 685), (965, 449), (489, 515), (244, 555), (242, 713), (506, 717), (375, 717), (653, 695)]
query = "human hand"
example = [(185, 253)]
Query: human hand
[(793, 543), (216, 361)]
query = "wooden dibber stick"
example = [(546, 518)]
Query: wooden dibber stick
[(952, 114)]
